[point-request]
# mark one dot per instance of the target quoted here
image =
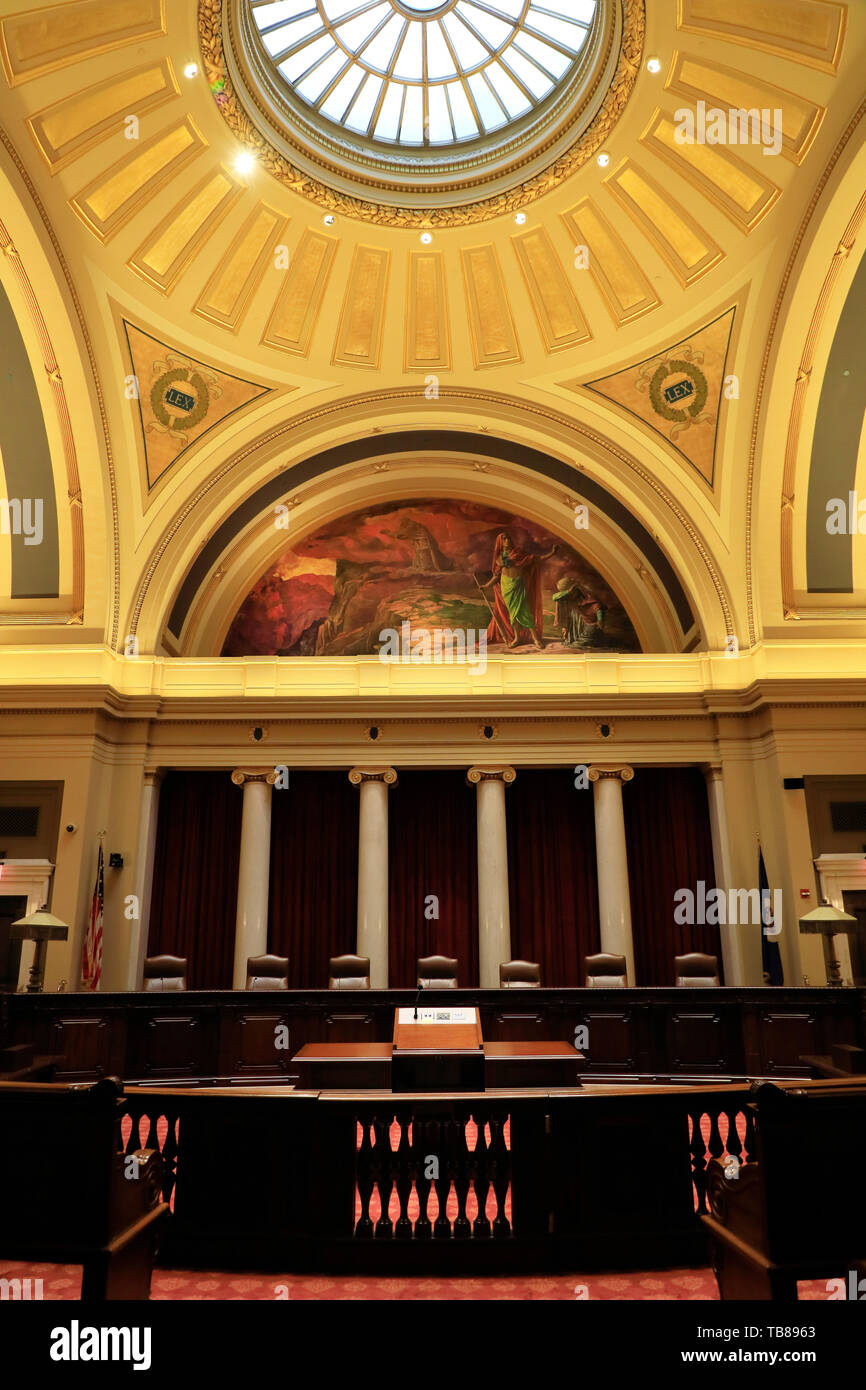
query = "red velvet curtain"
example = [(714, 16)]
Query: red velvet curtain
[(314, 873), (552, 873), (195, 875), (432, 854), (667, 824)]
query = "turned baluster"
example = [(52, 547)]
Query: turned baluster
[(501, 1167), (698, 1151), (750, 1143), (420, 1149), (459, 1161), (170, 1154), (442, 1182), (733, 1143), (481, 1178), (364, 1178), (405, 1169), (383, 1174)]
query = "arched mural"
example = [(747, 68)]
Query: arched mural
[(435, 566)]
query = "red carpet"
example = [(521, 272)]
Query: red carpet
[(61, 1282)]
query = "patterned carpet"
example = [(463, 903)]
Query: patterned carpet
[(63, 1282)]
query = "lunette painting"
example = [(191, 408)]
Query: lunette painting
[(434, 565)]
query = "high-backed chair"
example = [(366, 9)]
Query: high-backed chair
[(519, 974), (349, 972), (165, 972), (696, 970), (267, 972), (437, 972), (605, 971)]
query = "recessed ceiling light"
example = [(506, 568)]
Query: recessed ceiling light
[(520, 218), (426, 237), (245, 162), (654, 65), (191, 70), (329, 219), (604, 160)]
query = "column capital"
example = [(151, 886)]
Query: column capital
[(154, 777), (359, 775), (622, 771), (241, 775), (490, 774), (712, 771)]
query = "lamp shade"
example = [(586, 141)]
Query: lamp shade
[(826, 920), (40, 925)]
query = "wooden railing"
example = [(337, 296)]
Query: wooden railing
[(611, 1177)]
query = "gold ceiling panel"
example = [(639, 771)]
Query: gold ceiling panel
[(553, 298), (130, 184), (678, 392), (168, 250), (809, 31), (699, 79), (68, 128), (291, 324), (227, 295), (180, 399), (491, 323), (737, 188), (428, 342), (623, 285), (359, 334), (39, 41), (688, 249)]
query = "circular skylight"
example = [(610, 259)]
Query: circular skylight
[(423, 73)]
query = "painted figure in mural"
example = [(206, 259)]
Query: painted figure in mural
[(427, 557), (579, 615), (516, 587)]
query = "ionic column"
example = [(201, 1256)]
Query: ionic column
[(494, 918), (614, 902), (730, 935), (143, 877), (373, 868), (251, 931)]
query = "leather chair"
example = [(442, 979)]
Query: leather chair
[(605, 972), (349, 972), (519, 974), (437, 972), (267, 972), (696, 970), (165, 972)]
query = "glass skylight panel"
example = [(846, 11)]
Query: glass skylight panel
[(441, 132), (412, 125), (423, 72), (389, 116), (465, 124), (361, 111), (410, 60)]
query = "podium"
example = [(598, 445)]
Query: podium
[(440, 1050)]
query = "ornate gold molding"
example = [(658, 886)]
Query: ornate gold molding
[(368, 210)]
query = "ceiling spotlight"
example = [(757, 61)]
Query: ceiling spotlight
[(520, 218), (191, 70), (653, 65), (426, 237), (245, 162), (604, 160), (329, 219)]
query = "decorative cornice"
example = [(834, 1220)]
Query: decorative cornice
[(384, 214)]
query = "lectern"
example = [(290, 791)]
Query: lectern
[(439, 1050)]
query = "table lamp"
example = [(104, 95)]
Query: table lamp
[(827, 921), (40, 926)]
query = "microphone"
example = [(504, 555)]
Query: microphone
[(417, 997)]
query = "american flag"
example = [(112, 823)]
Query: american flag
[(91, 964)]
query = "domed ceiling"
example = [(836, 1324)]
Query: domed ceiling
[(224, 285)]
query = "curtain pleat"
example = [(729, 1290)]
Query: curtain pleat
[(433, 870), (195, 875), (667, 823)]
